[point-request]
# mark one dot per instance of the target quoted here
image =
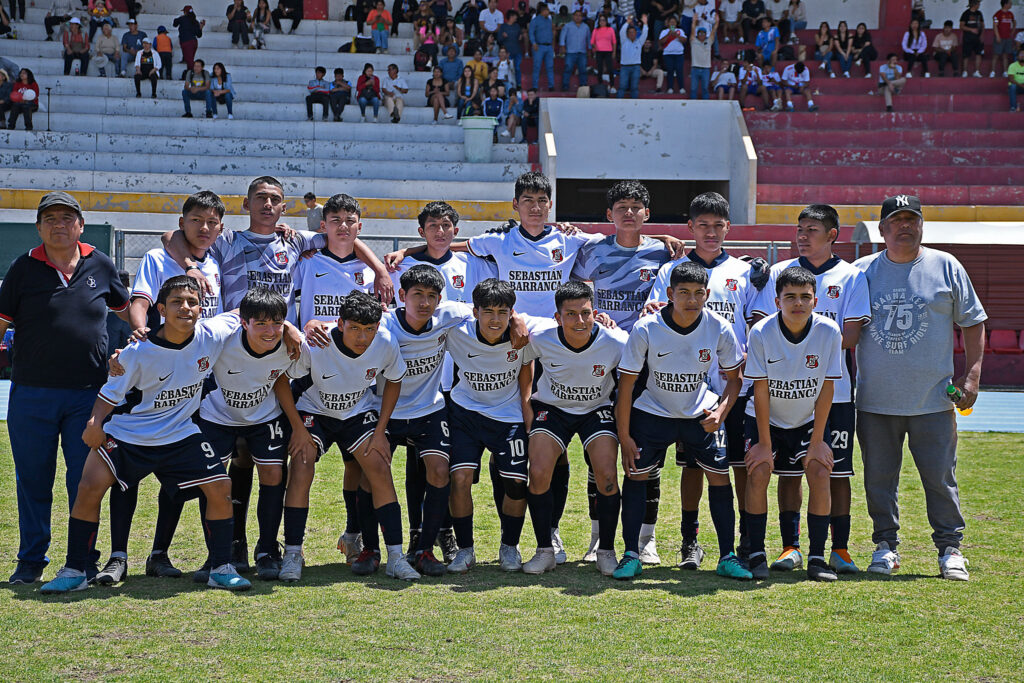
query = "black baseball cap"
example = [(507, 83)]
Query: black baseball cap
[(57, 198), (901, 202)]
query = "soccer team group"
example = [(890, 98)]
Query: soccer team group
[(267, 347)]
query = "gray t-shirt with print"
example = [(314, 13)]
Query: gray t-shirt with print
[(905, 354)]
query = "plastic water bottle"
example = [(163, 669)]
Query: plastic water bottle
[(955, 394)]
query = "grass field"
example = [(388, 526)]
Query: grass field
[(569, 624)]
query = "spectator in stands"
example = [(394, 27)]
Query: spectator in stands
[(724, 81), (574, 41), (190, 30), (492, 81), (972, 24), (506, 68), (751, 82), (437, 94), (131, 43), (491, 52), (767, 42), (731, 28), (147, 67), (287, 9), (471, 10), (393, 89), (672, 41), (751, 14), (341, 93), (261, 23), (660, 11), (705, 14), (510, 37), (197, 87), (917, 12), (15, 6), (603, 41), (76, 46), (440, 8), (452, 35), (314, 212), (700, 65), (1015, 73), (239, 21), (368, 90), (493, 105), (490, 19), (864, 51), (380, 22), (842, 49), (797, 15), (529, 115), (165, 48), (944, 49), (99, 14), (559, 20), (1004, 25), (632, 43), (451, 66), (823, 47), (915, 49), (467, 90), (777, 10), (890, 79), (427, 36), (6, 86), (222, 88), (107, 50), (401, 12), (583, 7), (650, 65), (542, 34), (23, 104), (359, 10), (318, 91), (60, 11), (795, 80), (478, 66)]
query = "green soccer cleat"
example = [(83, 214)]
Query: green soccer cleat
[(731, 568), (629, 567)]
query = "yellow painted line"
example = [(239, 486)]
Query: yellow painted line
[(786, 214)]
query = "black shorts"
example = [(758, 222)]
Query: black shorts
[(789, 446), (842, 425), (267, 441), (653, 435), (428, 434), (183, 464), (472, 432), (729, 439), (562, 426), (349, 434), (972, 46)]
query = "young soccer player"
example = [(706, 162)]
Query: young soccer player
[(340, 407), (843, 299), (679, 346), (574, 397), (153, 432), (793, 358)]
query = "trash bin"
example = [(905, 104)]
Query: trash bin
[(479, 137)]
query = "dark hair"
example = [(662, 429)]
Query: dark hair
[(223, 70), (367, 66), (360, 307), (424, 276), (628, 189), (799, 67), (177, 282), (494, 293), (320, 69), (204, 199), (342, 202), (339, 71), (391, 66), (795, 277), (823, 213), (198, 60), (948, 22), (263, 303), (890, 56), (264, 180), (308, 196), (533, 181), (572, 290), (709, 203), (688, 272), (438, 210)]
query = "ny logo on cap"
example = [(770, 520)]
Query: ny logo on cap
[(902, 200)]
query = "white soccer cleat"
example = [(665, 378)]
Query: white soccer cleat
[(399, 568), (606, 562), (351, 545), (509, 558), (559, 547), (953, 565), (649, 550), (591, 555), (465, 559), (884, 560), (543, 561), (291, 566)]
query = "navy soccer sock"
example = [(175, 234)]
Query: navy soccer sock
[(540, 505), (463, 527), (219, 543), (608, 519), (689, 527), (723, 517), (294, 525), (756, 525), (269, 509), (169, 503), (789, 526), (415, 488), (634, 497), (351, 511), (368, 520), (840, 532), (817, 534), (81, 537), (122, 510), (390, 516), (559, 492), (435, 505), (653, 498), (241, 491)]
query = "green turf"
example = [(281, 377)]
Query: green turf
[(572, 623)]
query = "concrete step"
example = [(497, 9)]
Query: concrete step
[(887, 139), (891, 174), (873, 194), (881, 121), (848, 155)]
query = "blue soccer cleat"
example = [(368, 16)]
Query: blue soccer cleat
[(731, 568), (67, 580), (226, 577), (629, 567), (841, 561)]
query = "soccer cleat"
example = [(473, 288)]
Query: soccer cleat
[(817, 570), (27, 572), (884, 560), (449, 547), (509, 558), (606, 562), (291, 566), (629, 567), (414, 540), (731, 568), (428, 565), (398, 567), (202, 575), (366, 563), (841, 561), (465, 559), (758, 566), (67, 580), (953, 565), (268, 567), (543, 561), (115, 571), (558, 547), (649, 550), (351, 545), (240, 556), (591, 555), (159, 565), (692, 555), (790, 559), (227, 577)]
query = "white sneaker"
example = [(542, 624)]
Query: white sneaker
[(231, 117), (504, 133), (670, 91), (606, 562), (543, 561), (992, 74), (927, 74), (291, 566), (910, 75), (831, 74), (884, 560), (558, 546), (977, 74), (953, 565), (846, 74), (963, 75), (612, 90), (591, 555), (216, 116), (649, 550), (1006, 75), (509, 558), (398, 567), (449, 115), (351, 545), (867, 75), (465, 559), (682, 91)]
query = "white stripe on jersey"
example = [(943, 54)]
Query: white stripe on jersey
[(324, 280), (423, 352), (577, 381), (842, 292), (679, 361), (534, 266), (795, 370), (245, 384), (157, 267), (487, 376), (162, 384), (342, 380)]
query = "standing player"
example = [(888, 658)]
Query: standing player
[(793, 358), (154, 433), (844, 300), (678, 347)]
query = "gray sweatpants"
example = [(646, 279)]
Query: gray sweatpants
[(932, 440)]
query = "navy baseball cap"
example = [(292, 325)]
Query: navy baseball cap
[(57, 198), (901, 202)]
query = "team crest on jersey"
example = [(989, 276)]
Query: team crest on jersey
[(557, 255), (833, 291), (513, 356), (307, 421), (204, 363), (358, 277), (91, 282), (216, 278), (731, 284), (598, 371), (541, 416), (274, 374), (371, 373), (441, 339), (109, 444), (458, 281), (704, 356), (812, 361), (282, 258), (646, 274)]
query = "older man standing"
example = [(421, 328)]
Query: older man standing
[(904, 365), (57, 295)]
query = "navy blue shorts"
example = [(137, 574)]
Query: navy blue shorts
[(473, 432), (790, 446), (349, 434), (729, 439), (428, 434), (183, 464), (653, 435), (562, 426), (842, 425), (267, 441)]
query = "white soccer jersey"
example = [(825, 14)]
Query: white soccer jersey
[(582, 380), (423, 353), (534, 266), (324, 280), (795, 368), (792, 78), (342, 381), (842, 292), (162, 384), (462, 273), (245, 384), (679, 361), (487, 375), (157, 267)]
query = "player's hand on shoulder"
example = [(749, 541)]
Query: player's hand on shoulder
[(605, 320), (204, 283), (285, 231), (759, 454), (820, 452), (760, 271), (508, 225), (384, 288), (393, 259), (567, 228), (518, 331), (653, 307), (675, 246), (114, 367), (308, 254), (316, 333), (292, 340)]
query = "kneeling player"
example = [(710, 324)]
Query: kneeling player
[(154, 433), (793, 357)]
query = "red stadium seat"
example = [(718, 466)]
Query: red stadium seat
[(1004, 342)]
